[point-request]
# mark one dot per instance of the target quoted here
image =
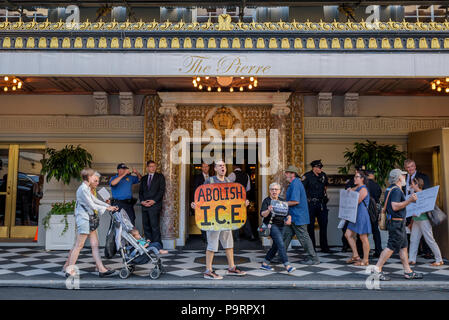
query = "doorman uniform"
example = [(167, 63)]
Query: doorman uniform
[(315, 186)]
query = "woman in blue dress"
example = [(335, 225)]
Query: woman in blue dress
[(362, 226)]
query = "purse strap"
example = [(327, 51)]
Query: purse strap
[(386, 201)]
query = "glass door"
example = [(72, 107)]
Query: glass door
[(20, 190)]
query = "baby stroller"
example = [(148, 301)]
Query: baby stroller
[(132, 252)]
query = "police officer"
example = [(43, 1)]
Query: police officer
[(121, 187), (315, 182)]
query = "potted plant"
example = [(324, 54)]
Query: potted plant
[(63, 165), (380, 158)]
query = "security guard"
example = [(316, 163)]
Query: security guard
[(315, 182), (121, 188)]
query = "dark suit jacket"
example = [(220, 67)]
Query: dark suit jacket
[(424, 177), (156, 191)]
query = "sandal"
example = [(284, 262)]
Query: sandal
[(353, 259), (437, 264), (383, 277), (412, 275), (361, 263), (412, 263)]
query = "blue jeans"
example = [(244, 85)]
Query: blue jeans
[(278, 245)]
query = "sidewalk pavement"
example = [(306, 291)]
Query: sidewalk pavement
[(35, 267)]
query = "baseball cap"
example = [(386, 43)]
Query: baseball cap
[(395, 174), (122, 166), (316, 163)]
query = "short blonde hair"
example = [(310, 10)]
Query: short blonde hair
[(86, 173), (274, 184)]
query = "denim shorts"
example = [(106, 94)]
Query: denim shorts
[(397, 235), (82, 226), (225, 237)]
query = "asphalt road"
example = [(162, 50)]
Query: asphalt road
[(219, 294)]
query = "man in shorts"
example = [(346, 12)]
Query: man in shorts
[(397, 234), (224, 236)]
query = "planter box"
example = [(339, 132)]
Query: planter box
[(53, 238)]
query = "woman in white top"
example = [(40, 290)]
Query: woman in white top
[(87, 204)]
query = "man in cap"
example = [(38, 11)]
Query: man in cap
[(397, 235), (298, 216), (315, 182), (121, 188)]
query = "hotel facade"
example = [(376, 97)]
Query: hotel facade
[(119, 81)]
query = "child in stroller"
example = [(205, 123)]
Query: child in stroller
[(156, 247), (133, 249)]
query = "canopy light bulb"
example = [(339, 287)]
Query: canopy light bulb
[(241, 88), (250, 87), (439, 89), (6, 78), (209, 88), (14, 81), (251, 79), (219, 89), (434, 86), (200, 87), (207, 78), (231, 89), (5, 89), (198, 79)]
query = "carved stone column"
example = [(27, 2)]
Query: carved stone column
[(126, 103), (325, 104), (101, 103), (279, 113), (351, 105), (169, 216)]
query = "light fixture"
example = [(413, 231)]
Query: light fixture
[(10, 83), (440, 85), (218, 83)]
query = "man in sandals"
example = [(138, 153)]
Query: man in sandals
[(397, 235), (225, 236)]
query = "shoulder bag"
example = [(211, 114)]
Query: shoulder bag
[(383, 213)]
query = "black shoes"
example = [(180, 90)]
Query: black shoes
[(106, 274)]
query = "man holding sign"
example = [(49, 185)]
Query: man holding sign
[(217, 212)]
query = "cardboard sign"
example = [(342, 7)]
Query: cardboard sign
[(220, 206), (425, 203)]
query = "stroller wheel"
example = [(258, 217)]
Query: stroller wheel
[(155, 273), (124, 273)]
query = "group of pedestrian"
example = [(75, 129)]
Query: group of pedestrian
[(306, 199), (401, 192)]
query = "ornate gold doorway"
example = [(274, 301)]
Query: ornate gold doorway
[(190, 113)]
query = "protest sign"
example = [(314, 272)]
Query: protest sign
[(426, 202), (220, 206), (349, 201)]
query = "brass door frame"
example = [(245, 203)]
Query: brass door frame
[(10, 230)]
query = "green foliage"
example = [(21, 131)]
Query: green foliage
[(60, 209), (65, 164), (380, 158)]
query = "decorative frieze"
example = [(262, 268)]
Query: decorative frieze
[(370, 126), (226, 35)]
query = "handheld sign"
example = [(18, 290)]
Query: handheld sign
[(220, 206), (349, 201), (425, 203)]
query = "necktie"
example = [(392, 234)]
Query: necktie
[(149, 181)]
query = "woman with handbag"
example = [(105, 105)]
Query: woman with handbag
[(87, 221), (276, 226), (362, 226), (421, 227)]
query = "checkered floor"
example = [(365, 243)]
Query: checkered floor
[(34, 263)]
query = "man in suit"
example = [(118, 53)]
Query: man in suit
[(238, 176), (151, 193), (198, 180), (410, 167)]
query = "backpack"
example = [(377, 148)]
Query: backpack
[(373, 210)]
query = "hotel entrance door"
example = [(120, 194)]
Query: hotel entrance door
[(249, 167), (20, 190)]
